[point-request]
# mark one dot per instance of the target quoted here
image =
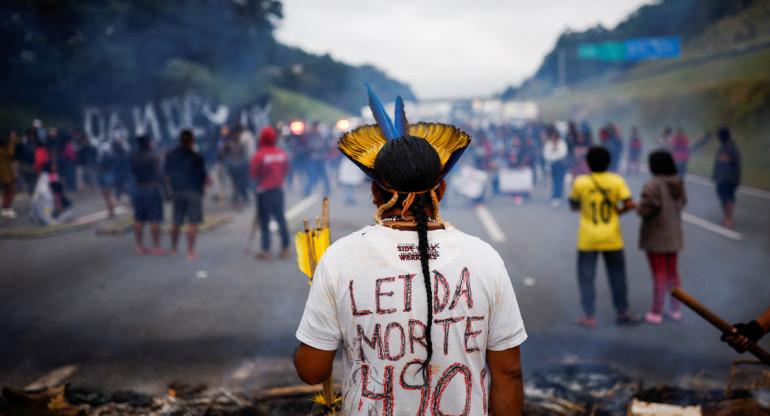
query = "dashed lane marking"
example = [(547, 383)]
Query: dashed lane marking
[(494, 231), (85, 219), (294, 212), (711, 226), (759, 193)]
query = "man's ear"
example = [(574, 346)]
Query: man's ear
[(377, 196), (441, 189)]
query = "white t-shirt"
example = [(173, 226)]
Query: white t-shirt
[(368, 294)]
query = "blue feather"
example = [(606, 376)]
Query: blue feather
[(402, 125), (378, 111), (452, 160)]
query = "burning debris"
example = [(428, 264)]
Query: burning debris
[(563, 390), (711, 403), (578, 389), (80, 401), (585, 389), (48, 402)]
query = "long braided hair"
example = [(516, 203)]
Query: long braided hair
[(411, 167)]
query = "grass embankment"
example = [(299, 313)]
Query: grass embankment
[(287, 106), (699, 96)]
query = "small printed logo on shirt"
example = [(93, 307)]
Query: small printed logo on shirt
[(410, 252), (275, 158)]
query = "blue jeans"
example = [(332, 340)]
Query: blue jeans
[(558, 170), (616, 273), (681, 169), (270, 205), (67, 171), (239, 174), (316, 171)]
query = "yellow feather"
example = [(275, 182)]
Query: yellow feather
[(363, 144), (444, 138)]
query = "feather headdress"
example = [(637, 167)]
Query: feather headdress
[(363, 144)]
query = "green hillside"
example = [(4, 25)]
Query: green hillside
[(722, 78), (288, 105), (119, 53)]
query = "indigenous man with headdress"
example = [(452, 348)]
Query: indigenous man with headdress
[(426, 315)]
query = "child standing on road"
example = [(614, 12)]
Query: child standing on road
[(597, 196), (661, 204)]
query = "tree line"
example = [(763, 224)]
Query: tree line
[(61, 55)]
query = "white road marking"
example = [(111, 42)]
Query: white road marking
[(699, 180), (754, 192), (85, 219), (759, 193), (294, 212), (711, 226), (301, 206), (494, 231)]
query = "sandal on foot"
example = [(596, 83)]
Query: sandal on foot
[(674, 316), (653, 318), (628, 320), (585, 322)]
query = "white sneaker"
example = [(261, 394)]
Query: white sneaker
[(555, 203)]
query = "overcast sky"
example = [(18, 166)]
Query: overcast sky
[(444, 48)]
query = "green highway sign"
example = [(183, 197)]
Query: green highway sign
[(608, 51), (631, 49), (589, 51)]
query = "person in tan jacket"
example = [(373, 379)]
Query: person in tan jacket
[(661, 204)]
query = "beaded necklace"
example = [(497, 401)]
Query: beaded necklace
[(399, 218)]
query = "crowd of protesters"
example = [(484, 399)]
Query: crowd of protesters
[(42, 162), (50, 163), (516, 157), (553, 155)]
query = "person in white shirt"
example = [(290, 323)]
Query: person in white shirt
[(48, 204), (425, 314), (555, 155)]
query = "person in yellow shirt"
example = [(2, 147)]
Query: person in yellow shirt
[(601, 197)]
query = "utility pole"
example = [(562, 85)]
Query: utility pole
[(562, 71)]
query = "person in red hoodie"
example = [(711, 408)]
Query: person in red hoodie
[(680, 149), (269, 167), (42, 156)]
